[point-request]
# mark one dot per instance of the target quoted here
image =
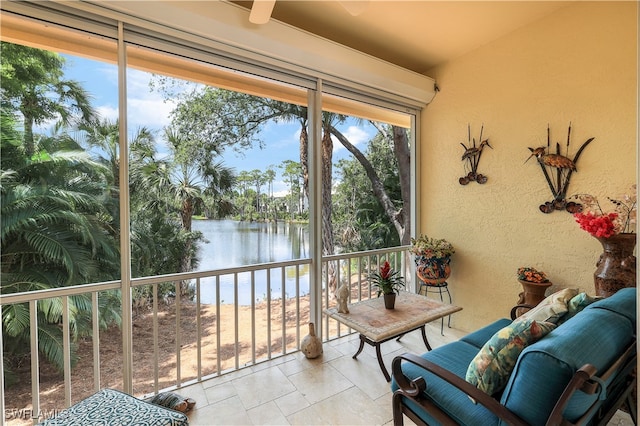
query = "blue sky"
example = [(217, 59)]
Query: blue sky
[(148, 108)]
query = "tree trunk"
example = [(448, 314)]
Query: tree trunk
[(403, 156), (395, 216), (29, 144), (185, 262), (327, 224), (304, 159)]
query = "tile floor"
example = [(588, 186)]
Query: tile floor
[(331, 390)]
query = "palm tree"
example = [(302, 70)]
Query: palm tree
[(270, 176), (32, 81), (52, 234), (191, 181), (104, 134), (258, 179)]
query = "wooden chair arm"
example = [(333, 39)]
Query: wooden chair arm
[(579, 378), (619, 388), (413, 388)]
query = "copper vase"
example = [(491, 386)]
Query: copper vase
[(616, 267)]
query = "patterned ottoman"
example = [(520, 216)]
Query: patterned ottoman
[(111, 407)]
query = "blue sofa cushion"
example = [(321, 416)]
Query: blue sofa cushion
[(622, 302), (454, 357), (594, 336), (479, 337)]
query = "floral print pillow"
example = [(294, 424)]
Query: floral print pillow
[(490, 369)]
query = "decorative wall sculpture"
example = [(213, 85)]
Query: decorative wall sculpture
[(557, 170), (471, 157)]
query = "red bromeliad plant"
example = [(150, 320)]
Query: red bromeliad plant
[(386, 281)]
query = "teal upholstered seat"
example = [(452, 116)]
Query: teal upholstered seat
[(599, 335), (543, 370), (479, 337)]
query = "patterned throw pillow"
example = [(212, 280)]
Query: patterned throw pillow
[(577, 304), (552, 308), (490, 369)]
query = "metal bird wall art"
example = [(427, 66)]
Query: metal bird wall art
[(471, 157), (558, 179)]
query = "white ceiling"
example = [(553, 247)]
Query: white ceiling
[(416, 35)]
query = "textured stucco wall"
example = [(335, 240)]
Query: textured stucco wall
[(577, 65)]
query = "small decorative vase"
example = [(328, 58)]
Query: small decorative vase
[(433, 270), (389, 300), (533, 294), (616, 267), (311, 346)]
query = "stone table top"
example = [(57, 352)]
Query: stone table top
[(371, 319)]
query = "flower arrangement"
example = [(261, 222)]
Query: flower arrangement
[(387, 281), (431, 247), (600, 224), (532, 275)]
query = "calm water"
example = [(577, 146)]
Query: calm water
[(231, 243)]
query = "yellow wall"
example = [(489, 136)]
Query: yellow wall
[(577, 65)]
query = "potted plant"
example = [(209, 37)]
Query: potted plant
[(532, 275), (534, 285), (388, 283), (616, 267), (432, 258)]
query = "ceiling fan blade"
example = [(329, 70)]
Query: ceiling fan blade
[(354, 7), (261, 11)]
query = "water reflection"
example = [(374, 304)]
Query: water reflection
[(232, 243)]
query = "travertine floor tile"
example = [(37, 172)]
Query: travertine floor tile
[(262, 386), (220, 392), (345, 408), (267, 414), (365, 373), (292, 403), (227, 412), (319, 383)]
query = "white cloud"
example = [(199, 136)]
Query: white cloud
[(354, 134), (107, 112), (149, 111), (144, 107)]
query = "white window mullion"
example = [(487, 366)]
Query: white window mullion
[(314, 112), (125, 230)]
